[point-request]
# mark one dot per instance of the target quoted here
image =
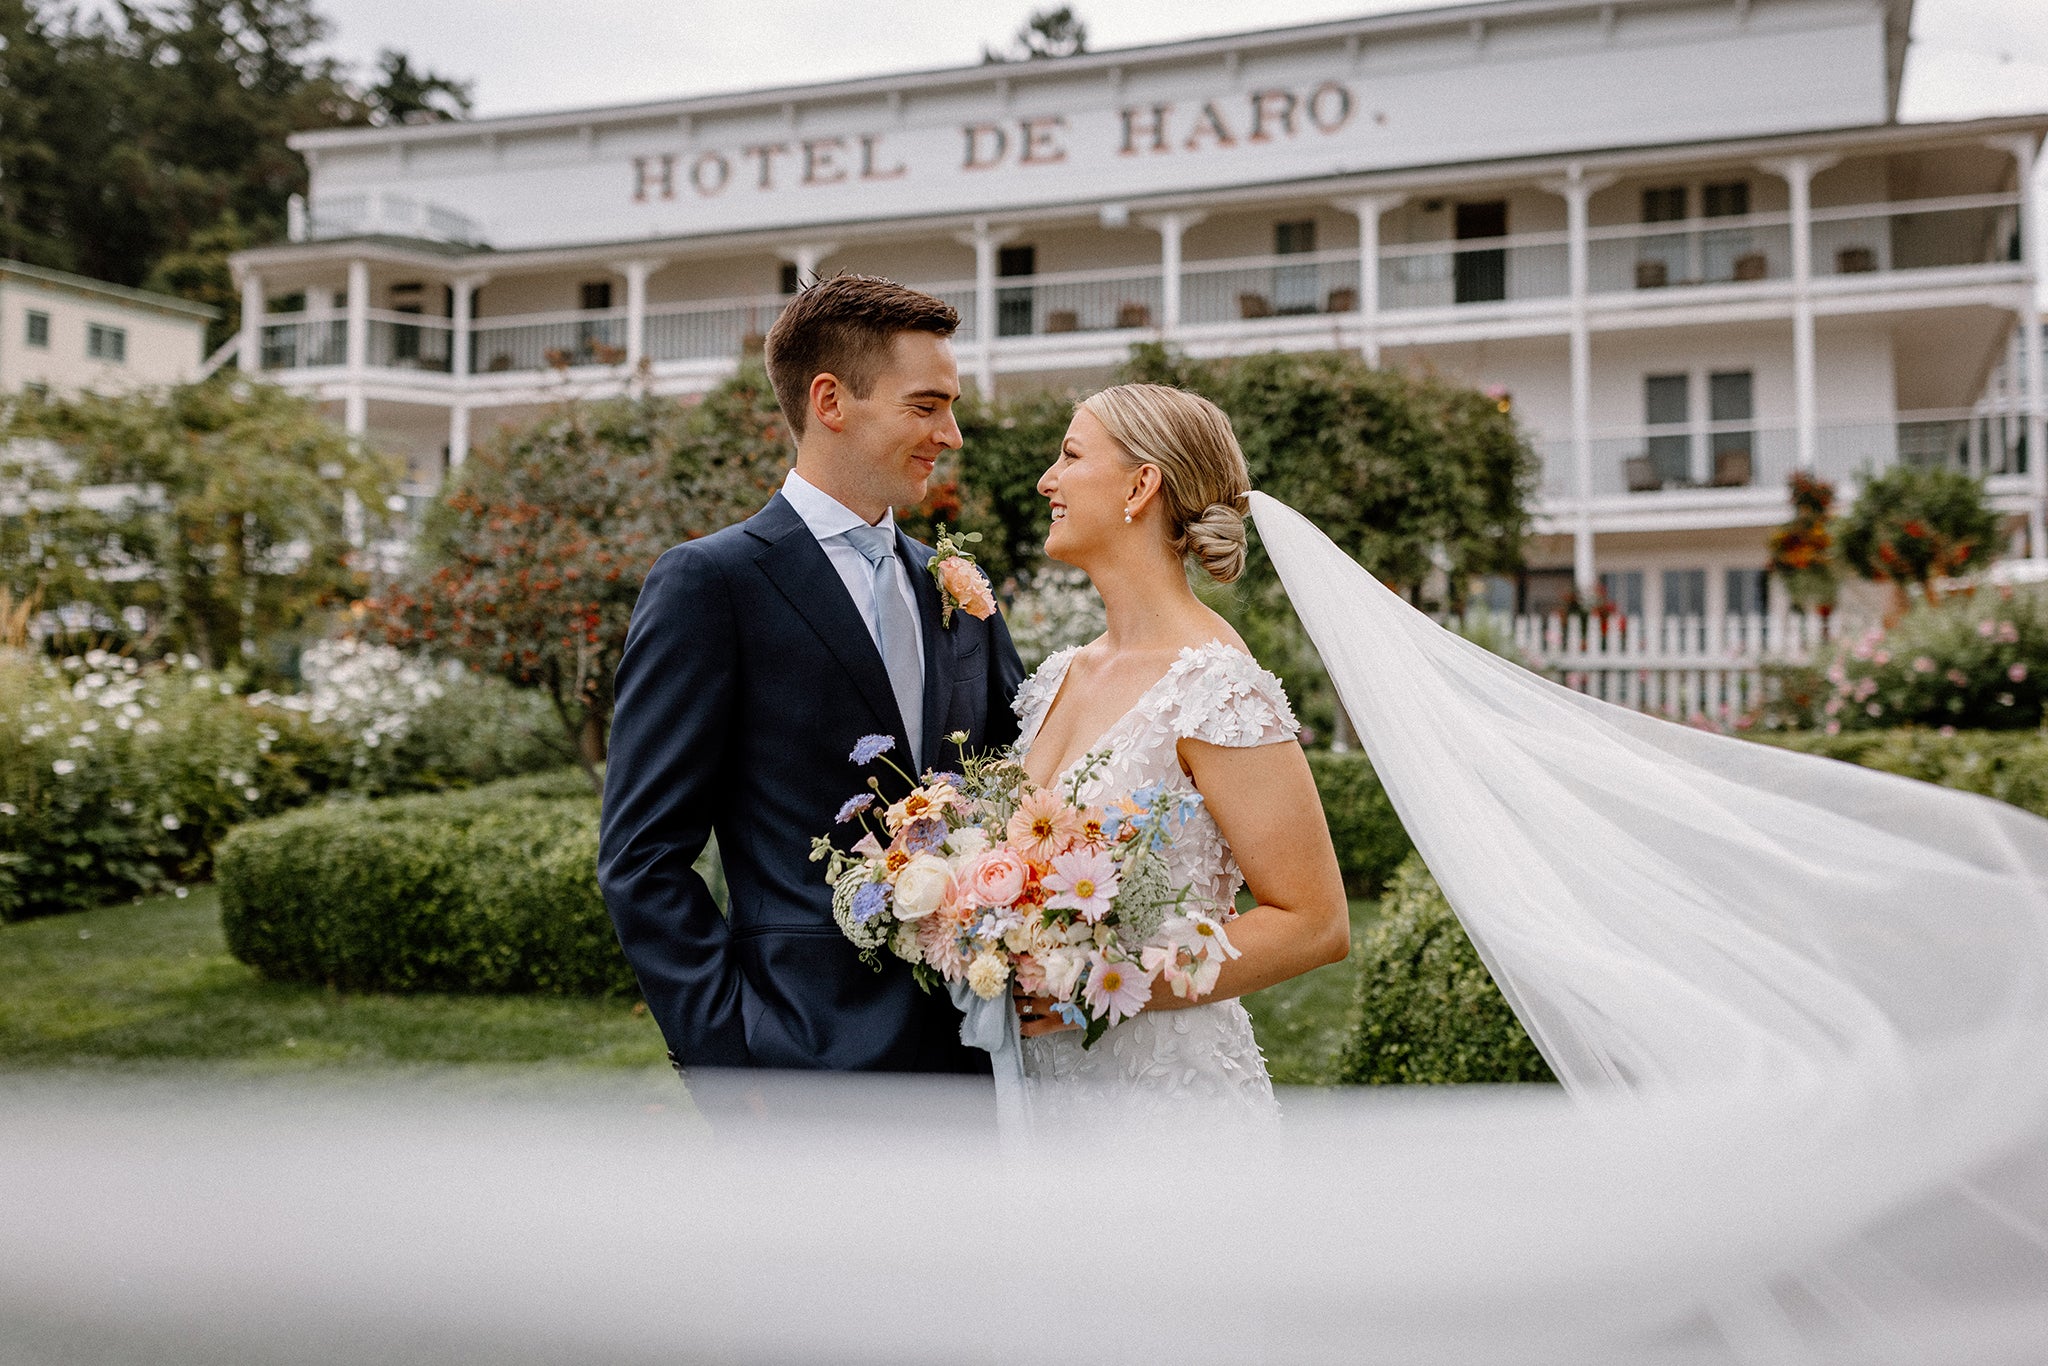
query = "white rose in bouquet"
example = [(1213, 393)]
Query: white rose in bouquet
[(967, 843), (1062, 968), (922, 886)]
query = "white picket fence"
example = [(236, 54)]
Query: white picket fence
[(1680, 667)]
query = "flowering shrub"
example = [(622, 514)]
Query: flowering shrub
[(1427, 1010), (1969, 663), (1058, 609), (1802, 549), (118, 778), (1911, 526)]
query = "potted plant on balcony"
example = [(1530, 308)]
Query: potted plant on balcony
[(1802, 550)]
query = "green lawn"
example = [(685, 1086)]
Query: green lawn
[(154, 983)]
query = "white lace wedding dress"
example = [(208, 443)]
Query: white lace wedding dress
[(1203, 1055)]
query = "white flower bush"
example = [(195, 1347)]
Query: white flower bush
[(1057, 609)]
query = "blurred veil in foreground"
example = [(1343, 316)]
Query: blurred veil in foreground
[(1800, 1009)]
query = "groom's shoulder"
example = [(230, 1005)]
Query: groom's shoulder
[(729, 545)]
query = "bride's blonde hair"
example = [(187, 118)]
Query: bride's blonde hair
[(1202, 471)]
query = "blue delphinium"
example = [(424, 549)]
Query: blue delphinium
[(872, 747), (854, 806), (870, 901)]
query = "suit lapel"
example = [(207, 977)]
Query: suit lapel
[(938, 647), (800, 570)]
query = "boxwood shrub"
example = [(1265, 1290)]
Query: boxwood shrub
[(1370, 840), (2011, 765), (1426, 1010), (489, 890)]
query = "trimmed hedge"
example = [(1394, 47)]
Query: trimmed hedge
[(2011, 765), (1426, 1010), (1369, 837), (490, 890)]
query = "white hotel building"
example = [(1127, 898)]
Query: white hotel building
[(1689, 237)]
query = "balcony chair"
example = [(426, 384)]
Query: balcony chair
[(1062, 320), (1652, 274), (1341, 301), (1130, 315), (1733, 469), (1640, 473), (1254, 306), (1855, 261), (1752, 265)]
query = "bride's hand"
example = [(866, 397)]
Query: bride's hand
[(1035, 1014)]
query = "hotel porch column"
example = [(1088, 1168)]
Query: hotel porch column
[(2024, 166), (986, 242), (250, 357), (636, 273), (1798, 174), (355, 402), (459, 348), (1171, 227), (1577, 189), (1367, 209)]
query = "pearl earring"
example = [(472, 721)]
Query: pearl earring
[(1127, 516)]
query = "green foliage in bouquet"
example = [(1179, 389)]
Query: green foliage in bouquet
[(491, 890), (1427, 1012), (1911, 526), (1975, 662)]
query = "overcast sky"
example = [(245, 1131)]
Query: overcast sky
[(1969, 56)]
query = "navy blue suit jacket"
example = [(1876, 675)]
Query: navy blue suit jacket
[(748, 674)]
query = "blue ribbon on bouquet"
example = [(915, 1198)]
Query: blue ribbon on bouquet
[(992, 1026)]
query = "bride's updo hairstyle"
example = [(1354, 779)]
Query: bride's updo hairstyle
[(1203, 476)]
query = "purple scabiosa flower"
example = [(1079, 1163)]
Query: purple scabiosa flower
[(872, 747), (922, 836), (870, 901), (854, 806)]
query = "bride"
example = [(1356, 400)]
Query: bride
[(1147, 479)]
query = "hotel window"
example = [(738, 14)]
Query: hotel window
[(38, 328), (1728, 199), (1730, 439), (1729, 253), (1623, 590), (1749, 593), (792, 279), (1480, 276), (1685, 592), (1295, 287), (106, 343), (1667, 408), (1664, 204), (1014, 306), (1661, 258), (595, 295)]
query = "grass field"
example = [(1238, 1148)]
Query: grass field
[(153, 983)]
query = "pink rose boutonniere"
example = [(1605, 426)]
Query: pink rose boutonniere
[(961, 585)]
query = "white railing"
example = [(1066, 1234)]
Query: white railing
[(1681, 667), (718, 330), (1694, 251), (410, 341), (548, 341), (1746, 455), (296, 342), (1926, 234), (1079, 301), (1482, 270), (364, 214), (1269, 287)]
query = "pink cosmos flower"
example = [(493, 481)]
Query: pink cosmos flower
[(1115, 991), (1083, 880), (1043, 826), (967, 586), (996, 878)]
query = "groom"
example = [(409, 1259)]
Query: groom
[(756, 658)]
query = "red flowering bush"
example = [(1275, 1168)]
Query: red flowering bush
[(1911, 526), (530, 566), (1802, 550)]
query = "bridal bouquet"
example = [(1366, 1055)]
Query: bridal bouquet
[(980, 877)]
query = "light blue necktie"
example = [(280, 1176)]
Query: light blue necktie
[(902, 644)]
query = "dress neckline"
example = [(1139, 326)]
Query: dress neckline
[(1066, 659)]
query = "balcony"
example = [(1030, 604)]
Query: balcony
[(1240, 301)]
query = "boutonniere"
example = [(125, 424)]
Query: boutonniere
[(961, 585)]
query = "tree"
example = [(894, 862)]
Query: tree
[(401, 94), (1911, 526), (531, 565), (1047, 33), (218, 513)]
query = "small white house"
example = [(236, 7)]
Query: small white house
[(65, 334)]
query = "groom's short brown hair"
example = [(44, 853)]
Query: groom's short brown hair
[(843, 326)]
